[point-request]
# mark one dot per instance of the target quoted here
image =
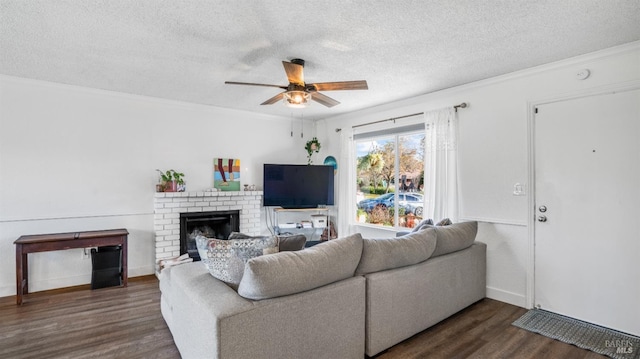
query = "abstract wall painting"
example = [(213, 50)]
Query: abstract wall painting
[(226, 174)]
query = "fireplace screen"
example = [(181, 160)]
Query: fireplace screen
[(217, 224)]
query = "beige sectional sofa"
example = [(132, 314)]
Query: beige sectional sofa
[(339, 299)]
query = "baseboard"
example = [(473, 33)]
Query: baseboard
[(507, 297), (48, 284), (56, 283), (140, 271)]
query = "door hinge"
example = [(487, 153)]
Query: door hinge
[(536, 110)]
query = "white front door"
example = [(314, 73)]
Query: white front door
[(587, 198)]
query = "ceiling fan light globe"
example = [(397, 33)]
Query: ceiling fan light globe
[(296, 99)]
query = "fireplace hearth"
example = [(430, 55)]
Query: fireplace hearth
[(216, 224)]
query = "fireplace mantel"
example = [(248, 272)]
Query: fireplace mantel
[(168, 206)]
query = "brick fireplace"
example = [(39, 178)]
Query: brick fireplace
[(169, 205)]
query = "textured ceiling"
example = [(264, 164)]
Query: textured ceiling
[(185, 50)]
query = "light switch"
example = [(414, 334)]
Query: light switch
[(519, 190)]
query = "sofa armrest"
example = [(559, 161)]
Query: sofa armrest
[(209, 319), (192, 303)]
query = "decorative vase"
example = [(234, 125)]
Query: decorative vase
[(171, 186)]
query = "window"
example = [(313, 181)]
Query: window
[(390, 177)]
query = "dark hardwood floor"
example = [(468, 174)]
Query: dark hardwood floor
[(82, 323), (484, 330), (126, 323)]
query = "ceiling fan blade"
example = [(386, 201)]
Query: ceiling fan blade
[(274, 99), (294, 72), (254, 84), (341, 85), (323, 99)]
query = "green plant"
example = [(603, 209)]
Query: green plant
[(377, 191), (171, 175), (313, 145), (401, 211)]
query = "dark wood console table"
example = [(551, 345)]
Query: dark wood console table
[(60, 241)]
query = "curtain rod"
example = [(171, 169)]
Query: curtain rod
[(462, 105)]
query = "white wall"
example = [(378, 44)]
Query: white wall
[(74, 159), (494, 152)]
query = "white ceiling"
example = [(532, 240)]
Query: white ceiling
[(185, 49)]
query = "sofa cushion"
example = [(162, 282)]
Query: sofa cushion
[(455, 237), (291, 243), (294, 242), (225, 259), (383, 254), (293, 272)]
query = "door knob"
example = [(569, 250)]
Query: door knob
[(542, 218), (542, 209)]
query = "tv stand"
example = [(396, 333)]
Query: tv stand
[(310, 222)]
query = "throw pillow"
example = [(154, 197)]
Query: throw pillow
[(425, 223), (383, 254), (201, 244), (287, 273), (225, 259), (291, 243), (238, 235), (454, 237), (294, 242), (444, 222)]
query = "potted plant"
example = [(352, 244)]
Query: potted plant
[(313, 145), (171, 180)]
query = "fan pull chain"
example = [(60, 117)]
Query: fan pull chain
[(291, 124), (302, 125)]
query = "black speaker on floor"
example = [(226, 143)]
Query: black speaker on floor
[(106, 267)]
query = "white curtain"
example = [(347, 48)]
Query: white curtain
[(346, 183), (441, 164)]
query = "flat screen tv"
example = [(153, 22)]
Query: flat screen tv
[(298, 186)]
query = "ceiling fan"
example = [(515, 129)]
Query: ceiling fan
[(298, 93)]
